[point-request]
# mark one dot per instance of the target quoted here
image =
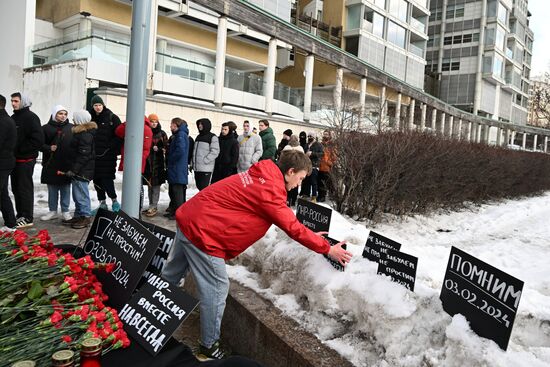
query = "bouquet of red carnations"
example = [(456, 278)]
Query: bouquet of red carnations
[(49, 301)]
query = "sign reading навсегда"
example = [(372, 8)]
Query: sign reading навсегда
[(332, 262), (155, 311), (399, 266), (118, 238), (166, 238), (377, 244), (485, 295), (313, 216)]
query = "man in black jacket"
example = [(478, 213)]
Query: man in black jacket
[(107, 147), (8, 137), (30, 139)]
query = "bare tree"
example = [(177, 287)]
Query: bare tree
[(540, 102)]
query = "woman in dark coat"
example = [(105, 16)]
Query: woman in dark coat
[(177, 164), (82, 167), (56, 153), (155, 169), (107, 147), (226, 162)]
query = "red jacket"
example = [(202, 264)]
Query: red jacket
[(147, 142), (227, 217)]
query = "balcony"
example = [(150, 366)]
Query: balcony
[(418, 25), (318, 28), (416, 50)]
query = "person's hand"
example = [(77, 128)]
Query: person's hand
[(321, 233), (337, 253), (70, 174), (155, 148), (190, 168), (53, 148)]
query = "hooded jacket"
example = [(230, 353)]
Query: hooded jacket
[(59, 134), (226, 163), (206, 148), (177, 156), (120, 132), (269, 144), (30, 137), (83, 150), (220, 223), (250, 150), (8, 138), (107, 144)]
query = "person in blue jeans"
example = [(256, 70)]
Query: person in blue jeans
[(82, 167)]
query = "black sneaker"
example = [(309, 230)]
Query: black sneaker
[(214, 352), (23, 222)]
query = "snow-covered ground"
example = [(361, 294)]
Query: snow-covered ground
[(375, 322)]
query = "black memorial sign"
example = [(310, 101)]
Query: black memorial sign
[(377, 244), (485, 295), (117, 238), (332, 262), (315, 217), (399, 266), (155, 311), (166, 238)]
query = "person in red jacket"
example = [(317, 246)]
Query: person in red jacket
[(120, 131), (217, 224)]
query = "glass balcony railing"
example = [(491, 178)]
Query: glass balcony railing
[(79, 46), (416, 50), (185, 68), (509, 53), (418, 25), (95, 46)]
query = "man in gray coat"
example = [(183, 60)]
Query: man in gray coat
[(250, 148), (205, 152)]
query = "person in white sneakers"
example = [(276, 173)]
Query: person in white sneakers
[(56, 156)]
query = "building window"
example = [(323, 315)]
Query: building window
[(352, 45), (375, 22), (475, 37), (437, 14), (396, 34), (457, 39), (502, 14), (380, 3), (448, 40), (498, 63), (455, 65), (499, 40), (466, 38), (455, 11), (398, 8), (354, 16)]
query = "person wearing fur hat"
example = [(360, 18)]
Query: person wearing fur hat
[(107, 147), (284, 141), (30, 139), (56, 157), (82, 167)]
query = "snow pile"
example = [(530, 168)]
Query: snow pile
[(375, 322)]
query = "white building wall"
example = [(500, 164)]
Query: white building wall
[(45, 32), (16, 37), (50, 85), (488, 97)]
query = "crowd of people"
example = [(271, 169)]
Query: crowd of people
[(86, 149), (234, 174)]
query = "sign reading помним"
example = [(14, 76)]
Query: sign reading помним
[(313, 216), (485, 295), (118, 238), (155, 312)]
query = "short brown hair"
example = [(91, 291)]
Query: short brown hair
[(264, 121), (294, 159), (178, 122)]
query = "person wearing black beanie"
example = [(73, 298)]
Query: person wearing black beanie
[(284, 141)]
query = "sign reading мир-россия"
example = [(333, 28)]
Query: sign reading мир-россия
[(155, 312), (313, 216), (485, 295), (118, 238)]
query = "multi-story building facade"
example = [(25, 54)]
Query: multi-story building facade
[(390, 35), (479, 56)]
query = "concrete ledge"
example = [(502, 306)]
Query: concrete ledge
[(255, 328)]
